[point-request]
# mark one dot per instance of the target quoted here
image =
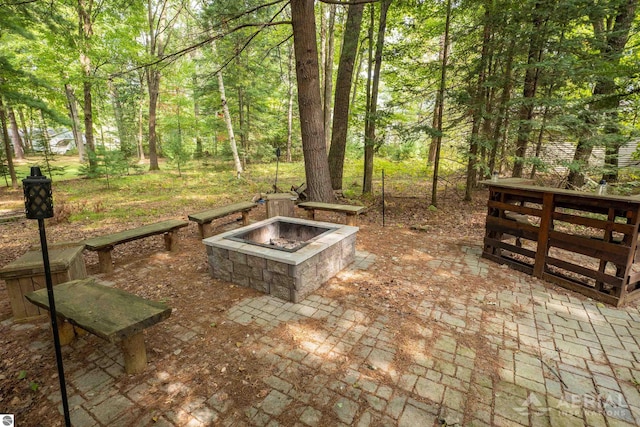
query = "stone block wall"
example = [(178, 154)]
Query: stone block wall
[(285, 281)]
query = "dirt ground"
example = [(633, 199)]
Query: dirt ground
[(182, 280)]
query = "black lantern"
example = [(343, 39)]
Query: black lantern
[(38, 204), (38, 201)]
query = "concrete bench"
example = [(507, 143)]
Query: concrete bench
[(104, 244), (351, 211), (204, 218), (109, 313)]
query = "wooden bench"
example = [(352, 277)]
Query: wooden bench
[(204, 218), (351, 211), (104, 244), (109, 313)]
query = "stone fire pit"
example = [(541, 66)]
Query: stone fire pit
[(286, 257)]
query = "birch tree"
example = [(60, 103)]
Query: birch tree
[(227, 120)]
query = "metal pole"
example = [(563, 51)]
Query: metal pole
[(54, 322), (383, 202)]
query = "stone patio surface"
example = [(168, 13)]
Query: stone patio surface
[(561, 360)]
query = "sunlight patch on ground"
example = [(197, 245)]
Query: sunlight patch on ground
[(417, 256), (313, 341), (353, 275)]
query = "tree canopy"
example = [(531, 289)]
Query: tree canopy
[(530, 86)]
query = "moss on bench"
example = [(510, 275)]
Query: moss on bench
[(351, 211), (109, 313), (104, 244), (204, 218)]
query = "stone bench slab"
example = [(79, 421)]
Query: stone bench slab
[(109, 313)]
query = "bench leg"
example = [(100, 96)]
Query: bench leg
[(66, 332), (311, 214), (135, 353), (205, 229), (169, 240), (245, 218), (352, 219), (104, 259)]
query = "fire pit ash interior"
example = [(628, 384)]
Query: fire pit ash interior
[(286, 257), (284, 235)]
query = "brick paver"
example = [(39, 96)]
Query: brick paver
[(556, 359)]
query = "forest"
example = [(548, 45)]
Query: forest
[(474, 86)]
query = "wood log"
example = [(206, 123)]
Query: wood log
[(104, 261), (135, 353)]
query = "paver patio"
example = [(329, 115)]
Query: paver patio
[(548, 357)]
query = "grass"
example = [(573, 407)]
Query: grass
[(200, 185)]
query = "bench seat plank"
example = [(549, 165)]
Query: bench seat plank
[(110, 313), (204, 218), (211, 214), (351, 211), (333, 207), (110, 240)]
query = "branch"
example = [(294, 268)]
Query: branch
[(348, 3), (263, 26), (179, 53), (18, 3), (277, 46)]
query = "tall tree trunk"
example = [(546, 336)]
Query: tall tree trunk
[(368, 145), (309, 101), (88, 123), (525, 114), (227, 120), (72, 105), (440, 102), (242, 125), (123, 132), (370, 131), (435, 124), (611, 35), (328, 75), (196, 116), (25, 131), (141, 156), (342, 94), (160, 30), (478, 103), (18, 147), (153, 85), (85, 16), (290, 103), (501, 116), (7, 145), (359, 61), (543, 126)]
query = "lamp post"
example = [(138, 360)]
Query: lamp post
[(38, 203)]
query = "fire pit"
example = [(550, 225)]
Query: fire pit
[(286, 257)]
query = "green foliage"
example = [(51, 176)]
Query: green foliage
[(40, 46), (177, 151), (108, 163), (400, 151)]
